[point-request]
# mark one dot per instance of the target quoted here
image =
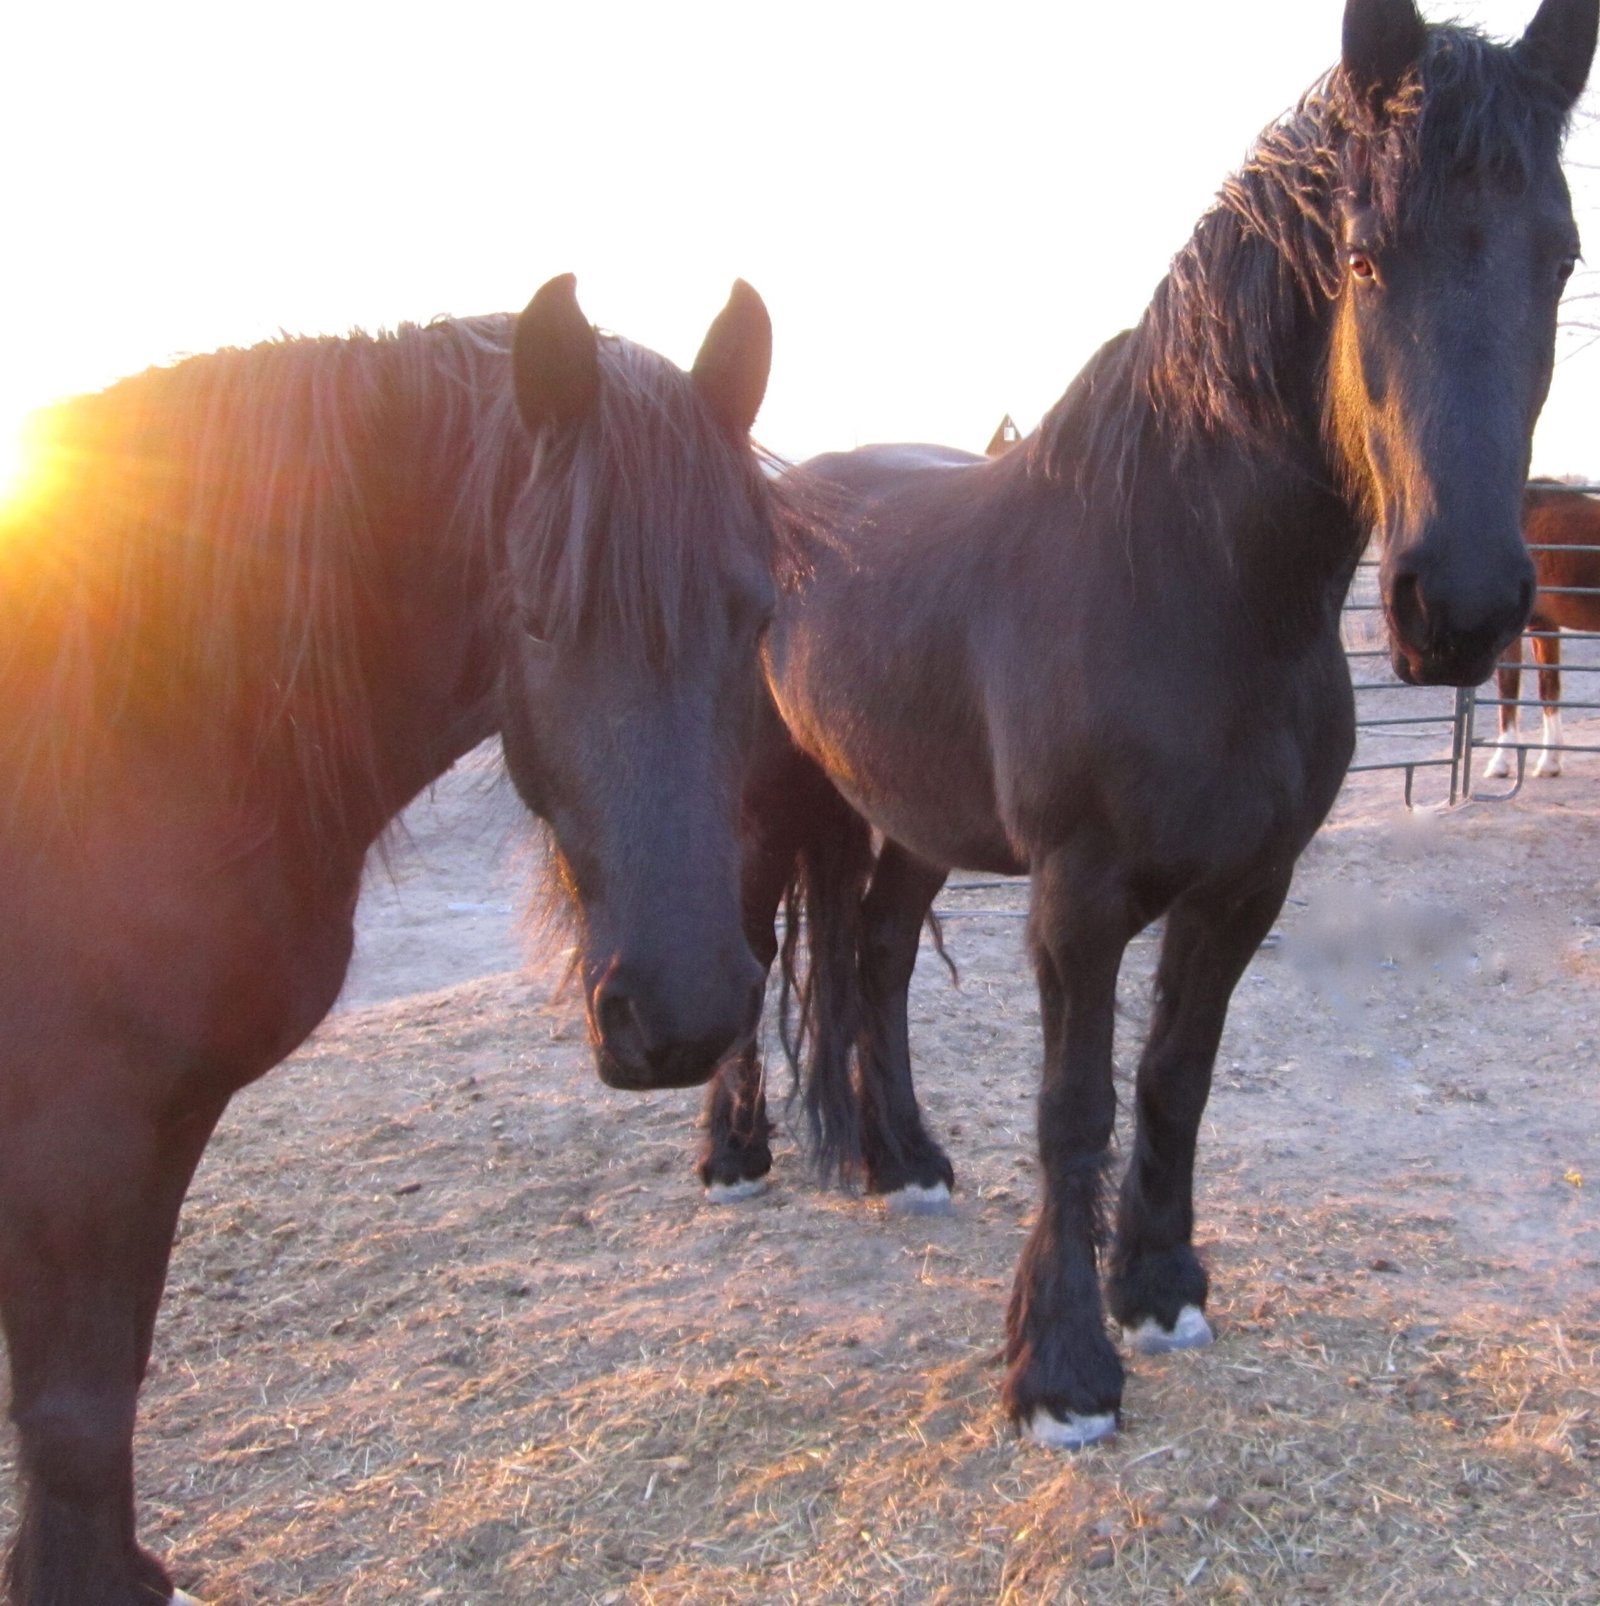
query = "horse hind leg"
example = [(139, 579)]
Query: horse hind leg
[(1547, 653), (905, 1167), (737, 1155), (1157, 1286), (1508, 681)]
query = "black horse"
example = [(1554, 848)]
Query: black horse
[(1111, 658), (249, 606)]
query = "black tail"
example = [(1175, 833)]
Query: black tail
[(820, 1007)]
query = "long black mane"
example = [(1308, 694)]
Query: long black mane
[(632, 517), (222, 554), (1220, 346)]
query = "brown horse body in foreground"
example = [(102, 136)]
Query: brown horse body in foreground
[(263, 598)]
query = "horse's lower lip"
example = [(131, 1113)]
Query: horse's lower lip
[(628, 1077)]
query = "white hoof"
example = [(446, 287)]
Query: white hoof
[(1072, 1432), (180, 1598), (1190, 1331), (1498, 767), (915, 1200), (722, 1193), (1548, 768)]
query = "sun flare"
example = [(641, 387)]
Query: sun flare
[(14, 456)]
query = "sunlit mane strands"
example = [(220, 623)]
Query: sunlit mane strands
[(1208, 358), (215, 548), (625, 546)]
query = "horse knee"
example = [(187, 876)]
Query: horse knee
[(76, 1442)]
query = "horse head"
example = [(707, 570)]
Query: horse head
[(639, 588), (1453, 238)]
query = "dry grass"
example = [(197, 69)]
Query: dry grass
[(450, 1323)]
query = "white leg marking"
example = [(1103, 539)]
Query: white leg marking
[(722, 1193), (915, 1200), (1190, 1331), (1071, 1433), (1549, 765), (1499, 765)]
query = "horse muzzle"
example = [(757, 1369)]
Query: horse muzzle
[(642, 1042), (1441, 635)]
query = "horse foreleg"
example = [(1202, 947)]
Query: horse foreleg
[(1547, 654), (1065, 1379), (903, 1163), (1508, 681), (89, 1195), (1157, 1287)]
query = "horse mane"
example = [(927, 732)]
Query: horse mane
[(635, 514), (1210, 360), (203, 558)]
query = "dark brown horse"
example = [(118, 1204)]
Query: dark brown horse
[(252, 605), (1562, 527), (1111, 658)]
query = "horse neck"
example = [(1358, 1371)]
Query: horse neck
[(429, 662), (1250, 513)]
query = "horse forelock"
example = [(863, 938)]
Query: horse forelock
[(636, 517), (1222, 349), (206, 552)]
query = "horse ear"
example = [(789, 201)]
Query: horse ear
[(735, 359), (1560, 42), (1382, 40), (555, 362)]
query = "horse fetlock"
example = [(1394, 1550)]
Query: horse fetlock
[(1152, 1291), (922, 1171), (915, 1199), (1071, 1432), (725, 1193), (1190, 1331)]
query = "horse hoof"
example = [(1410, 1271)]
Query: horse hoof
[(182, 1598), (915, 1200), (1071, 1432), (725, 1193), (1190, 1331), (1498, 768), (1546, 771)]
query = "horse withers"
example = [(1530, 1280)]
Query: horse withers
[(1111, 660), (1562, 526), (249, 606)]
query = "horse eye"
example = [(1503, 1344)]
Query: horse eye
[(1360, 265), (534, 640), (1564, 269)]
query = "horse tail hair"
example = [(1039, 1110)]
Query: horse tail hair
[(821, 1011)]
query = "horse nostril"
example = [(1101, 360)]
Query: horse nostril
[(1408, 610), (617, 1021)]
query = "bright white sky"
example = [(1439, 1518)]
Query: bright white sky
[(947, 207)]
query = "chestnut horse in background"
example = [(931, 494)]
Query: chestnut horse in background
[(1561, 524)]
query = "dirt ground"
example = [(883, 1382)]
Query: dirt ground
[(450, 1322)]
